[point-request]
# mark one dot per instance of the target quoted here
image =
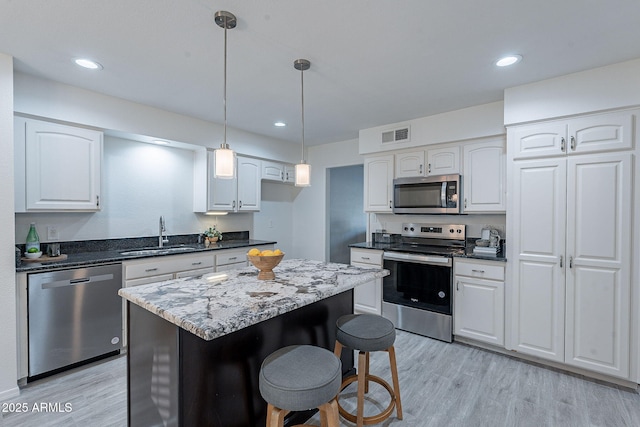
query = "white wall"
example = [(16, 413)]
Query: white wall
[(275, 219), (8, 360), (140, 182), (45, 98), (310, 206), (613, 86)]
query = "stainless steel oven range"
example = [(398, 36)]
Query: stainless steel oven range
[(417, 295)]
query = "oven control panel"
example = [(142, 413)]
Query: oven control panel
[(435, 231)]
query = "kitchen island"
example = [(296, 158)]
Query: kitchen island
[(196, 344)]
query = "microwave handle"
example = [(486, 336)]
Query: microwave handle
[(443, 195)]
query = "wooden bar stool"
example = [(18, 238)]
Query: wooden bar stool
[(366, 333), (298, 378)]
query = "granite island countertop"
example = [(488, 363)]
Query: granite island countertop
[(217, 304)]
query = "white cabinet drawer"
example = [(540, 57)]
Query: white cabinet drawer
[(235, 266), (492, 270), (166, 265), (145, 280), (366, 256), (193, 273), (231, 258)]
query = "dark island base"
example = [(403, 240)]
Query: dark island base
[(178, 379)]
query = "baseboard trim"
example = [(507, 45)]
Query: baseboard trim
[(9, 394)]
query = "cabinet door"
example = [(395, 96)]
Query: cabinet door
[(272, 171), (289, 173), (249, 175), (367, 298), (63, 167), (484, 177), (410, 164), (378, 184), (538, 212), (221, 192), (599, 269), (601, 132), (479, 309), (443, 161), (538, 140)]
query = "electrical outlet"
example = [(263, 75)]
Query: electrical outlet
[(52, 233)]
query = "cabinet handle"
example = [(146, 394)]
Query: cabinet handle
[(465, 203), (97, 201), (282, 176), (233, 205), (420, 171), (570, 262), (149, 270), (561, 261), (390, 204), (196, 263), (573, 143), (429, 169), (240, 204), (457, 285), (478, 271), (563, 144), (232, 258), (365, 257)]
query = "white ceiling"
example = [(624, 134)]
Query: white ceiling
[(373, 62)]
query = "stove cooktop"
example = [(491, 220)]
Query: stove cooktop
[(428, 249)]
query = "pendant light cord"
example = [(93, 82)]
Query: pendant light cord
[(302, 97), (224, 101)]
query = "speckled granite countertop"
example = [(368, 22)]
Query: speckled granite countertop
[(84, 259), (210, 308)]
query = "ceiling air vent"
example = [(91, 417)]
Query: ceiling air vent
[(396, 135)]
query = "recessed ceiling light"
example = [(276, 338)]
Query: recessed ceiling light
[(508, 60), (87, 63), (280, 124), (161, 142)]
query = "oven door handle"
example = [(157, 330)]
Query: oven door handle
[(421, 259)]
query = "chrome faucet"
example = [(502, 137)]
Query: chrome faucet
[(162, 239)]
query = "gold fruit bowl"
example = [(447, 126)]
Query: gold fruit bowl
[(265, 264)]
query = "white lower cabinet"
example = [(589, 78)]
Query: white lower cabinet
[(478, 307), (149, 270), (232, 259), (367, 298)]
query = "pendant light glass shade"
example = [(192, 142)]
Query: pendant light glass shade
[(303, 175), (225, 158), (225, 162), (303, 170)]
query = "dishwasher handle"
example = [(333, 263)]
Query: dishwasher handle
[(79, 281)]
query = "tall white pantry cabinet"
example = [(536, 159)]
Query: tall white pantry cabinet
[(569, 219)]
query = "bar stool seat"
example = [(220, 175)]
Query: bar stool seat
[(366, 333), (298, 378)]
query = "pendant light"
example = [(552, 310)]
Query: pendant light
[(303, 170), (225, 158)]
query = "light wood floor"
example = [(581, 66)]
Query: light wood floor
[(441, 385)]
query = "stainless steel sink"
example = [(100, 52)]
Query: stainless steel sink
[(158, 251)]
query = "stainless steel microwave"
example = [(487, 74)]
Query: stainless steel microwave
[(440, 194)]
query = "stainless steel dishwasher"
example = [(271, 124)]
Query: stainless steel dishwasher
[(75, 316)]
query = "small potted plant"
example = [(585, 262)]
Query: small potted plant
[(212, 235)]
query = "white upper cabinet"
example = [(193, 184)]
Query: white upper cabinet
[(410, 164), (241, 193), (483, 181), (378, 184), (437, 161), (58, 167), (278, 172), (443, 161), (589, 134), (249, 176)]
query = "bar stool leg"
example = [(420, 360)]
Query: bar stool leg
[(396, 383), (275, 416), (366, 375), (329, 416), (362, 379)]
